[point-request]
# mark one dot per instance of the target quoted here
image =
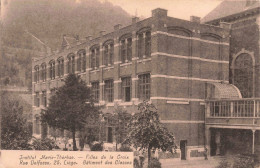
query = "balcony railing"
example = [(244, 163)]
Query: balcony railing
[(247, 107)]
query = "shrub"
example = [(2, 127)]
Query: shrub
[(155, 163), (96, 146), (43, 144), (125, 148), (238, 161), (136, 163)]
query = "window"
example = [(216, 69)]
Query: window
[(126, 89), (243, 75), (60, 67), (108, 54), (37, 74), (53, 91), (126, 50), (95, 91), (84, 59), (44, 99), (43, 75), (144, 44), (37, 125), (37, 99), (52, 69), (144, 83), (109, 90), (81, 61), (148, 44), (94, 58), (71, 64)]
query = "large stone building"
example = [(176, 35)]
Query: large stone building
[(183, 67)]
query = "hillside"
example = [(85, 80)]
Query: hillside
[(49, 20)]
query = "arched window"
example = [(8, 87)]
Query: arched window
[(71, 63), (179, 43), (60, 67), (52, 69), (81, 61), (43, 74), (144, 43), (243, 74), (37, 74), (108, 55), (94, 57), (126, 48)]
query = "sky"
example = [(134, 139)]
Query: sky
[(182, 9)]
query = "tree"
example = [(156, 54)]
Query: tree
[(14, 131), (146, 131), (121, 118), (71, 107)]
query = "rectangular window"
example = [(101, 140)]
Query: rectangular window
[(144, 86), (37, 74), (79, 63), (43, 75), (52, 70), (69, 65), (123, 51), (148, 44), (73, 64), (140, 46), (109, 90), (111, 55), (129, 49), (126, 89), (37, 99), (44, 99), (93, 58), (61, 67), (37, 125), (95, 91), (106, 55), (84, 62)]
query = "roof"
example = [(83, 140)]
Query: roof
[(226, 91), (230, 7)]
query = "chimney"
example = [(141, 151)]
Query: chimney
[(158, 12), (117, 27), (135, 20), (225, 25), (88, 38), (195, 19), (102, 33)]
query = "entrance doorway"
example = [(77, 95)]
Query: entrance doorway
[(109, 135), (183, 144)]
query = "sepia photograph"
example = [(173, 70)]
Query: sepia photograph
[(130, 83)]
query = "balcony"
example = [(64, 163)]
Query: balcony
[(233, 113)]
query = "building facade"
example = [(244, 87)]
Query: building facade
[(177, 65), (233, 124)]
